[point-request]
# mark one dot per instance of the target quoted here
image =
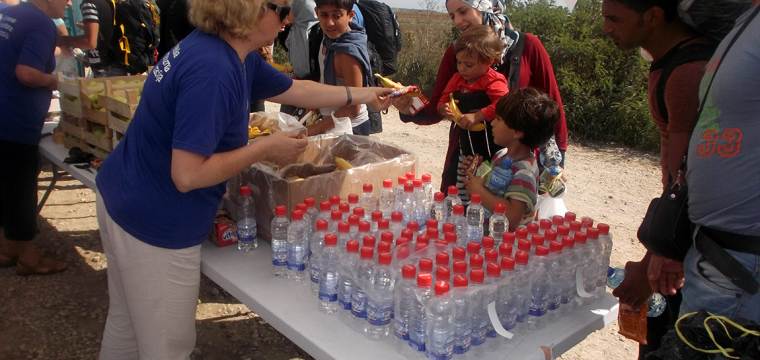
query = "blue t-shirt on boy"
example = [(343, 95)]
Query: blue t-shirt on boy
[(27, 37), (196, 99)]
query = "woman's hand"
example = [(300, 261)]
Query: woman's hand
[(282, 148), (665, 275), (376, 98), (403, 104)]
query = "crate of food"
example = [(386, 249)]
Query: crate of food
[(72, 126), (84, 94), (99, 135), (122, 103)]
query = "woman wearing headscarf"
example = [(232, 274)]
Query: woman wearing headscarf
[(535, 70)]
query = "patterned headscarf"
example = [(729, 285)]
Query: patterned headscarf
[(493, 12)]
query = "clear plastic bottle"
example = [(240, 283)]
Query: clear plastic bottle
[(479, 323), (606, 239), (353, 202), (353, 229), (493, 277), (521, 285), (246, 225), (539, 286), (656, 302), (280, 225), (555, 271), (427, 188), (344, 233), (334, 202), (475, 219), (387, 198), (506, 295), (376, 216), (362, 282), (567, 277), (417, 317), (421, 210), (501, 176), (440, 324), (403, 301), (450, 201), (345, 211), (346, 271), (437, 209), (368, 201), (324, 211), (462, 323), (335, 218), (398, 193), (308, 221), (380, 297), (328, 283), (442, 273), (298, 246), (457, 218), (364, 230), (311, 210), (316, 244), (397, 223), (407, 203), (595, 263), (498, 223)]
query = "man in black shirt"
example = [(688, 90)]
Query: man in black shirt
[(98, 22)]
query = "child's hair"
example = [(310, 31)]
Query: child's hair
[(530, 111), (480, 41), (347, 5)]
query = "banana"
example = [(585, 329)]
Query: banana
[(458, 115), (254, 132), (388, 83), (282, 68), (342, 163)]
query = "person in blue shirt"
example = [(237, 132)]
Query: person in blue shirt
[(27, 44), (158, 191)]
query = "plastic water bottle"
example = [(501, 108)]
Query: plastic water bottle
[(324, 212), (555, 270), (403, 301), (501, 176), (362, 282), (344, 233), (521, 284), (567, 277), (353, 223), (498, 223), (440, 324), (596, 263), (450, 201), (493, 277), (376, 216), (606, 240), (437, 209), (336, 217), (475, 219), (427, 188), (421, 210), (346, 270), (298, 246), (246, 226), (387, 198), (380, 298), (507, 296), (462, 324), (397, 223), (457, 218), (407, 203), (328, 283), (417, 317), (368, 201), (479, 323), (656, 302), (308, 221), (353, 202), (316, 243), (398, 193), (280, 225), (539, 286), (311, 211)]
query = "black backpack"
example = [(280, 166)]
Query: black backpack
[(680, 54), (383, 35), (136, 34)]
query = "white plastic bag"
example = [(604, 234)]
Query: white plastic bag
[(549, 206), (342, 126)]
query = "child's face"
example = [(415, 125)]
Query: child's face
[(470, 67), (333, 20), (503, 135)]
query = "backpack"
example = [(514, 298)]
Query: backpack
[(136, 34), (712, 18), (680, 54), (383, 35)]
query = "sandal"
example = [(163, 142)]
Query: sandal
[(7, 260), (43, 266)]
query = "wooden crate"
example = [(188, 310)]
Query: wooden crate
[(117, 123), (122, 102), (70, 141), (71, 105), (88, 91), (116, 138), (72, 126), (99, 136)]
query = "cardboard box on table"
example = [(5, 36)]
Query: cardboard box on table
[(373, 161)]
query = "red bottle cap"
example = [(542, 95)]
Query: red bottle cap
[(507, 263), (449, 227), (409, 175), (336, 215), (413, 226), (369, 241), (424, 280), (568, 242), (522, 233), (505, 249), (439, 196), (353, 220), (402, 251), (420, 246), (302, 207), (500, 208), (458, 209), (310, 202), (493, 270), (281, 210), (523, 244), (423, 239), (542, 251), (475, 198), (488, 242), (442, 272), (533, 228), (386, 236), (359, 211), (477, 276), (297, 215), (521, 257), (352, 246), (408, 271), (473, 248), (407, 233), (367, 252), (387, 183), (476, 261), (575, 226), (322, 225), (508, 237), (563, 230), (397, 216), (537, 239), (377, 215), (417, 183), (555, 247), (426, 178), (425, 265), (545, 224), (367, 188), (460, 267), (401, 180), (550, 235), (343, 227), (452, 190), (558, 220), (441, 288), (450, 237), (364, 227), (331, 240), (460, 281), (442, 258), (353, 198), (459, 253), (324, 206), (334, 200), (580, 237), (569, 216), (384, 246), (384, 258), (432, 233), (491, 255), (431, 223), (592, 233), (587, 222), (402, 240), (408, 188), (604, 229), (344, 207), (245, 190), (383, 224)]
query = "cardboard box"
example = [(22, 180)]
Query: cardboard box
[(373, 161)]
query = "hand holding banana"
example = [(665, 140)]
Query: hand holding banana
[(457, 116)]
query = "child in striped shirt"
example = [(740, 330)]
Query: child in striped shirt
[(524, 120)]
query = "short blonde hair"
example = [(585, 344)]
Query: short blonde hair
[(235, 17), (480, 41)]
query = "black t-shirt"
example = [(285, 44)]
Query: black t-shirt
[(100, 11), (174, 24)]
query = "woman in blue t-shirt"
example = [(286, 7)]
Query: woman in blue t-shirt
[(160, 188), (27, 43)]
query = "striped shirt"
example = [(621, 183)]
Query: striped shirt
[(524, 186)]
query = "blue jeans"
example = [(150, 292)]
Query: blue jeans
[(707, 289)]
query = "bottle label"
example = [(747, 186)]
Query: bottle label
[(536, 312), (417, 345), (278, 262), (246, 237), (296, 266), (328, 297), (314, 275)]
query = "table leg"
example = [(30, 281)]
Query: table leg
[(56, 176)]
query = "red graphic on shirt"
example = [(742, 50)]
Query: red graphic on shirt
[(726, 144)]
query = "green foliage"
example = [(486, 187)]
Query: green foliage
[(604, 89), (426, 35)]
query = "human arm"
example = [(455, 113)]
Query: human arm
[(90, 25), (496, 88), (190, 171), (35, 60), (312, 95), (665, 275), (348, 69), (542, 77), (33, 78), (429, 114), (635, 289)]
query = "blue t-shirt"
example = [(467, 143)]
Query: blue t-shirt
[(27, 37), (196, 99), (724, 152)]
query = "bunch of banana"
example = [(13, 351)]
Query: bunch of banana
[(254, 132), (388, 83), (454, 108), (342, 164), (401, 89)]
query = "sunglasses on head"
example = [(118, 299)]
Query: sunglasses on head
[(281, 10)]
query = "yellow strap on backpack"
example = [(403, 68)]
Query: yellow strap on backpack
[(124, 45), (722, 321)]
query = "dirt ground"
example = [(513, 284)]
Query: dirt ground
[(62, 316)]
